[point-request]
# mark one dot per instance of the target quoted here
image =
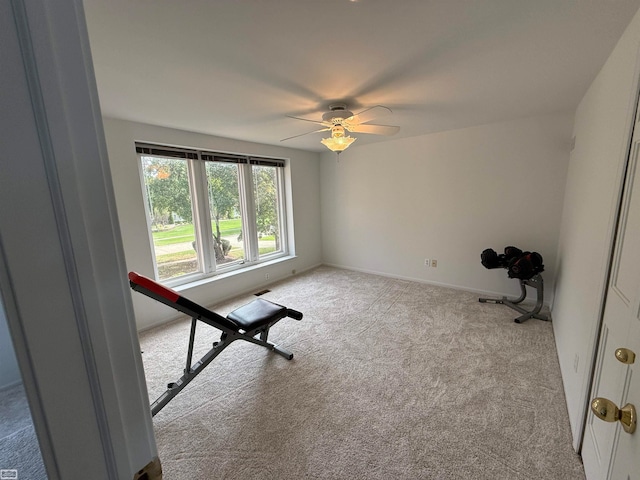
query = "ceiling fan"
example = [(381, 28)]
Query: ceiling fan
[(338, 120)]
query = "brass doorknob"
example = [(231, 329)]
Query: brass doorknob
[(608, 411), (625, 355)]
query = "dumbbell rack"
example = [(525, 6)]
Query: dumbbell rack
[(536, 282)]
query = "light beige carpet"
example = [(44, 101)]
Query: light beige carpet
[(390, 380)]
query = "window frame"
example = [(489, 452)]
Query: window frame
[(201, 212)]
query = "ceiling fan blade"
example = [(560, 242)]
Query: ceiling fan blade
[(309, 120), (369, 114), (308, 133), (374, 129)]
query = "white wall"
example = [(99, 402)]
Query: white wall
[(602, 126), (9, 371), (388, 206), (303, 176)]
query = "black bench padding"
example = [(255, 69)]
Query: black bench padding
[(257, 314)]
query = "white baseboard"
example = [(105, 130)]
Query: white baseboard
[(10, 385), (431, 282)]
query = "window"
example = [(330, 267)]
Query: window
[(211, 212)]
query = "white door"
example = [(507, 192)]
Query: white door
[(609, 451)]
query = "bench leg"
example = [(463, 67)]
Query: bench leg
[(269, 345), (189, 374)]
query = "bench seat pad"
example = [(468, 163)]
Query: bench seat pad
[(256, 314)]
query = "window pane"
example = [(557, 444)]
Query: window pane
[(265, 192), (169, 206), (226, 219)]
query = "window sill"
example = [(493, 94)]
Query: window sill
[(221, 276)]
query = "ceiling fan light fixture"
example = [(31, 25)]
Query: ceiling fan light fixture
[(337, 142)]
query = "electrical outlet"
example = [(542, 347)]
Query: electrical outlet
[(266, 276), (576, 361), (434, 263), (427, 262)]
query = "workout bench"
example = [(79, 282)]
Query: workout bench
[(244, 323)]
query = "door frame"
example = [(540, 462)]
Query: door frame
[(62, 271)]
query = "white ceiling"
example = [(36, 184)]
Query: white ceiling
[(237, 68)]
